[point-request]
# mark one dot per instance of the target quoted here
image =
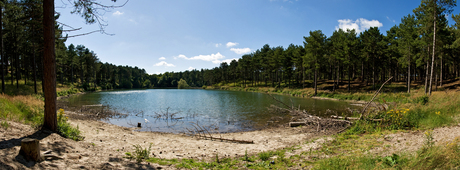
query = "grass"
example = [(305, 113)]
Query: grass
[(351, 149), (139, 153), (4, 124), (24, 106), (23, 109), (444, 156)]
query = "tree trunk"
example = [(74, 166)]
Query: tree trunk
[(426, 74), (349, 79), (34, 68), (49, 70), (316, 81), (408, 74), (2, 60), (362, 71), (432, 57), (373, 73), (440, 76), (30, 149), (303, 77)]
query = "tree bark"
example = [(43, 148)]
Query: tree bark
[(2, 60), (34, 68), (434, 50), (408, 75), (440, 76), (30, 149), (49, 71), (426, 74)]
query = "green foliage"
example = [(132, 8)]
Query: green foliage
[(4, 124), (429, 140), (25, 109), (66, 92), (392, 160), (139, 153), (65, 129), (182, 84), (264, 156), (422, 99)]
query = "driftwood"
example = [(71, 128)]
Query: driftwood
[(301, 117), (375, 95), (354, 118), (345, 118), (200, 132)]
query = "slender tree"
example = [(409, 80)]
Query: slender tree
[(314, 45)]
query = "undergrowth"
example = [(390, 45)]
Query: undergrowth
[(65, 129), (139, 153)]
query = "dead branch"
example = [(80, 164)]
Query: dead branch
[(279, 101), (375, 95), (354, 118)]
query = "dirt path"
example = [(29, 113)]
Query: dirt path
[(411, 141)]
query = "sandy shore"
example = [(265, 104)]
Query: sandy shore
[(105, 145)]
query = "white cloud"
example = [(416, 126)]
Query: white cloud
[(390, 19), (231, 44), (117, 13), (212, 57), (190, 68), (240, 50), (359, 25), (162, 58), (164, 63), (218, 44), (179, 56)]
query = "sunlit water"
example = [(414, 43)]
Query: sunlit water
[(224, 111)]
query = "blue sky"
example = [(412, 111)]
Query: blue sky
[(177, 35)]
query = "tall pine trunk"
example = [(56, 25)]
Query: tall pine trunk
[(2, 60), (434, 50), (426, 74), (49, 71), (408, 75), (440, 76)]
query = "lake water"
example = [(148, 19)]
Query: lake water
[(224, 111)]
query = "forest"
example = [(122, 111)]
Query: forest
[(423, 47)]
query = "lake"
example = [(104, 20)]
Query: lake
[(222, 111)]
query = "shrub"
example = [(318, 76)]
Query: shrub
[(422, 99), (139, 153), (65, 129)]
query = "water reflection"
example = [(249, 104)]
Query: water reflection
[(173, 110)]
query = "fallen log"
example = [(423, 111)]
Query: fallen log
[(233, 140), (295, 124), (354, 118), (345, 118)]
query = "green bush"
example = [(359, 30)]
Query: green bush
[(422, 99), (139, 153), (65, 129)]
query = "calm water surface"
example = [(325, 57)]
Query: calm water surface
[(224, 111)]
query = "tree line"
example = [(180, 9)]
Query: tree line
[(423, 47)]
